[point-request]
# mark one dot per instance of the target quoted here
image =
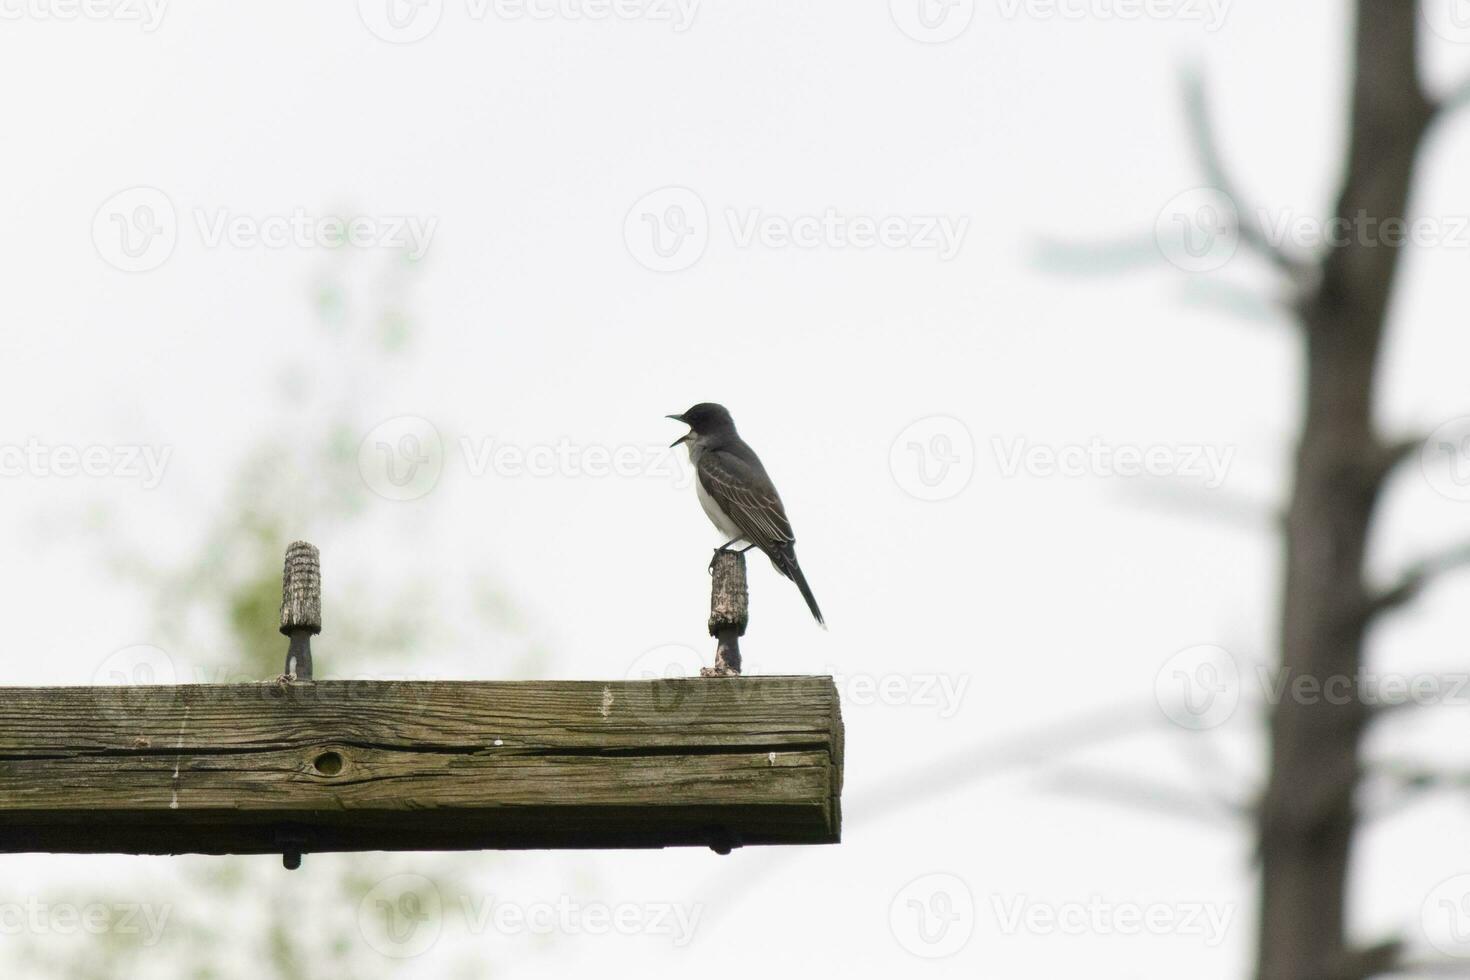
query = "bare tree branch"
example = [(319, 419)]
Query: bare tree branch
[(1369, 961), (1392, 454), (1409, 784), (1129, 790), (1202, 133), (1096, 258), (1219, 294), (1413, 580), (1421, 779), (1231, 790), (1217, 506), (1446, 967), (1457, 98)]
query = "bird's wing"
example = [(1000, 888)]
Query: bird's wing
[(748, 497)]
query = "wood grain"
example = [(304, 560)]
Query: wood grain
[(369, 765)]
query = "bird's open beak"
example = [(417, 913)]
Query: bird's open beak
[(685, 437)]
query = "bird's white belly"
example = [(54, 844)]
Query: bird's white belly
[(712, 510)]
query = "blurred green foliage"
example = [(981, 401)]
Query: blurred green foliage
[(243, 917)]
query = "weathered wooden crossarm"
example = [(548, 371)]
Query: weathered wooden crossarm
[(384, 765)]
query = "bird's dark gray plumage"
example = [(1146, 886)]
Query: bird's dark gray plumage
[(738, 495)]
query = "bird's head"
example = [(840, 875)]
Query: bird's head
[(704, 420)]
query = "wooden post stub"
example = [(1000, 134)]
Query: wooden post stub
[(301, 618), (729, 612), (301, 589)]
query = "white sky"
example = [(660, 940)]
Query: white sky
[(1050, 598)]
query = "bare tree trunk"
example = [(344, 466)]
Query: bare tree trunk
[(1307, 818)]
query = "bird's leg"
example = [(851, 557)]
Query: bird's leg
[(746, 548)]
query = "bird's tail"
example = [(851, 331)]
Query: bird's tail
[(787, 565)]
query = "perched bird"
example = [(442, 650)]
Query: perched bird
[(737, 495)]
